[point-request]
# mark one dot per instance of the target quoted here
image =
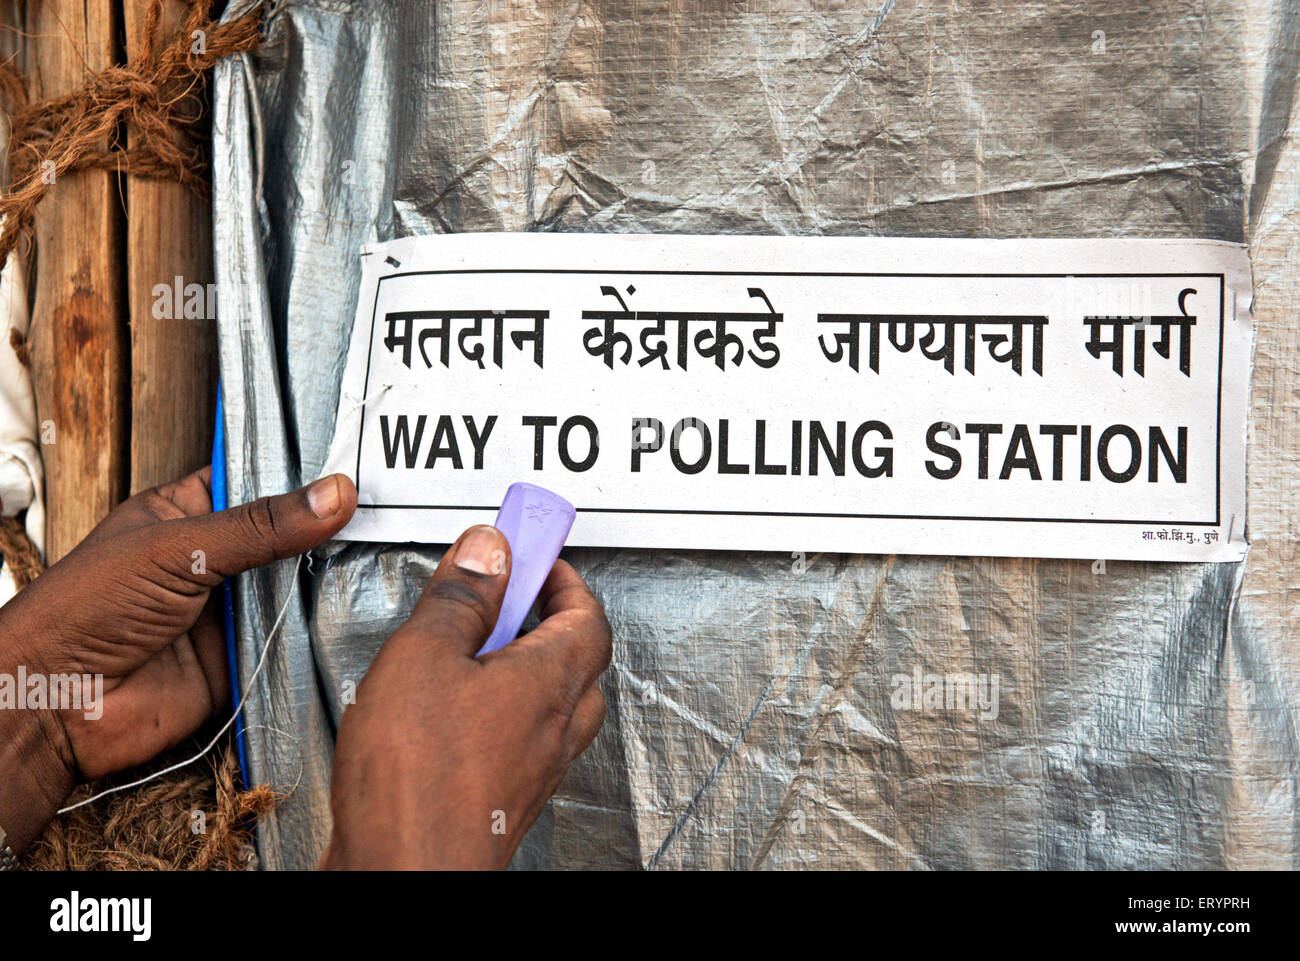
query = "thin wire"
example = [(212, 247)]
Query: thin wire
[(365, 400), (261, 662)]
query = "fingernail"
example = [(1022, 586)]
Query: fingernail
[(482, 551), (324, 497)]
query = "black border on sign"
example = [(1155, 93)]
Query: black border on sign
[(1218, 423)]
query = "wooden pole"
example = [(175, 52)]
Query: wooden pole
[(79, 346), (173, 370)]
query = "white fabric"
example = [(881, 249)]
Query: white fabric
[(21, 474)]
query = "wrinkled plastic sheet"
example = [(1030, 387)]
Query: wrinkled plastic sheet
[(1147, 712)]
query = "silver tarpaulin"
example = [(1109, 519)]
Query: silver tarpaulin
[(1147, 712)]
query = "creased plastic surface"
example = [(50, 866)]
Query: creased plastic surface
[(1147, 713)]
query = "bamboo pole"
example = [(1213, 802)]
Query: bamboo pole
[(169, 268), (79, 346)]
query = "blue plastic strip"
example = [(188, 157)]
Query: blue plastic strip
[(220, 501)]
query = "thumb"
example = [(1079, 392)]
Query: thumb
[(459, 606), (217, 546)]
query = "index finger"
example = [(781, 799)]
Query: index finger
[(190, 496), (192, 493), (574, 629), (563, 590)]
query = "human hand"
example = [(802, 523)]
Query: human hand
[(133, 603), (445, 760)]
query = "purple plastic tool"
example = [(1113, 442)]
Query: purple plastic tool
[(535, 522)]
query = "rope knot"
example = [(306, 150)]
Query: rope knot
[(136, 118)]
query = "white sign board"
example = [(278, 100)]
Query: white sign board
[(984, 397)]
